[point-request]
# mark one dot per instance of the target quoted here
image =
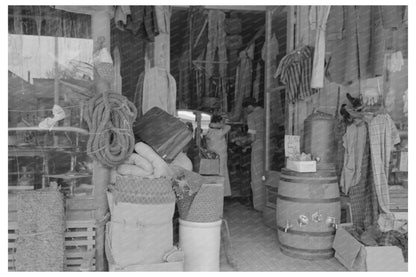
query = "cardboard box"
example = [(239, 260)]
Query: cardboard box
[(358, 257), (301, 166)]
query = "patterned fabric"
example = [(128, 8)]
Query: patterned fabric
[(295, 71), (255, 121), (383, 137), (216, 39), (364, 205)]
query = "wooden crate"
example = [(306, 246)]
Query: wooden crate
[(79, 245)]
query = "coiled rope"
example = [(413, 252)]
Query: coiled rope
[(110, 118)]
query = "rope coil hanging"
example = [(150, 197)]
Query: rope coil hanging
[(110, 118)]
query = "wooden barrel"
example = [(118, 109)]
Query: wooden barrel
[(305, 205)]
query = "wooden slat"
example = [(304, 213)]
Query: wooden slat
[(12, 225), (79, 234), (79, 243), (75, 261), (80, 224)]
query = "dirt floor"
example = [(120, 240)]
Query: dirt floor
[(254, 247)]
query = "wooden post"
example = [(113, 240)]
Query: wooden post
[(100, 21), (267, 83), (100, 27)]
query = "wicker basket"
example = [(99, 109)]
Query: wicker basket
[(207, 205), (134, 189)]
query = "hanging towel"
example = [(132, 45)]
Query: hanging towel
[(318, 70), (216, 40), (383, 137), (159, 90), (354, 142), (243, 81)]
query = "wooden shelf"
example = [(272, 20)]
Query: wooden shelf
[(53, 129)]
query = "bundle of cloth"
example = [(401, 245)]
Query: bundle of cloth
[(143, 162)]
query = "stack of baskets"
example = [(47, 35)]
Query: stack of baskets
[(140, 233), (200, 206)]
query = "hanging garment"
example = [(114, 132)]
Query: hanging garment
[(360, 52), (243, 81), (383, 137), (117, 85), (363, 198), (354, 143), (274, 51), (216, 40), (255, 122), (216, 141), (295, 71), (197, 18), (256, 84), (318, 69), (159, 90), (143, 20), (120, 16), (392, 16), (163, 18)]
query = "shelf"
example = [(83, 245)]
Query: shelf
[(53, 129)]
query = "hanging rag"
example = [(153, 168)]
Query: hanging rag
[(354, 142), (257, 83), (243, 81), (295, 71), (274, 51), (120, 16), (216, 40), (318, 70), (363, 198), (197, 18), (159, 90), (383, 137), (163, 18), (143, 20), (360, 52), (117, 85), (255, 122)]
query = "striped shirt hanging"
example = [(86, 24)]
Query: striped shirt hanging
[(295, 71)]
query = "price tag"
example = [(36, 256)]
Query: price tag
[(292, 145)]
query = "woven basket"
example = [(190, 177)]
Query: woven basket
[(207, 205), (184, 205), (134, 189)]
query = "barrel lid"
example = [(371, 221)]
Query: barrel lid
[(318, 173), (318, 115)]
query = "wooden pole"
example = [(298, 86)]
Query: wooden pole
[(100, 27), (100, 21), (267, 83)]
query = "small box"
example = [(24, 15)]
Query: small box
[(358, 257), (301, 166), (209, 167)]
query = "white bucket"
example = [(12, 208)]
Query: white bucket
[(200, 241)]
